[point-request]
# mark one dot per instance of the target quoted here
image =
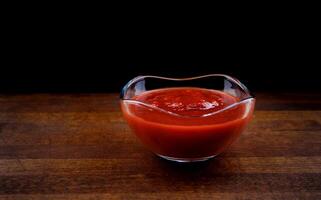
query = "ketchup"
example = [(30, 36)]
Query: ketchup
[(186, 122)]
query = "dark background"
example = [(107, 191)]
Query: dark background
[(83, 70), (74, 54)]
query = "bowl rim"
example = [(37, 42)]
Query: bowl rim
[(250, 97)]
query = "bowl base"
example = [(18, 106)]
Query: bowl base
[(185, 160)]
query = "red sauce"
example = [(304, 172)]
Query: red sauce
[(184, 125)]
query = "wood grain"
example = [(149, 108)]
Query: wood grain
[(77, 146)]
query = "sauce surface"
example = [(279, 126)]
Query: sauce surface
[(187, 101)]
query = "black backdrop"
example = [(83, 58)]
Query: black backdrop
[(83, 73), (83, 70), (69, 57)]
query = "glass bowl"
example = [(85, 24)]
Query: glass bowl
[(187, 138)]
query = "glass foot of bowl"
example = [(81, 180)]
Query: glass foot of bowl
[(185, 160)]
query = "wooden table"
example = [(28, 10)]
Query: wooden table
[(77, 146)]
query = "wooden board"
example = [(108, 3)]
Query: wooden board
[(77, 146)]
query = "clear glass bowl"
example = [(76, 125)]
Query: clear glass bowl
[(183, 138)]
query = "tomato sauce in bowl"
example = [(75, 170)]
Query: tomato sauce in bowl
[(186, 123)]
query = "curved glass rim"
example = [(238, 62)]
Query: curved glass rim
[(236, 81)]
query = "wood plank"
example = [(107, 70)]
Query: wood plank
[(109, 102), (59, 103), (97, 133), (82, 133), (167, 195), (65, 118), (159, 182), (220, 165), (100, 145), (288, 101)]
